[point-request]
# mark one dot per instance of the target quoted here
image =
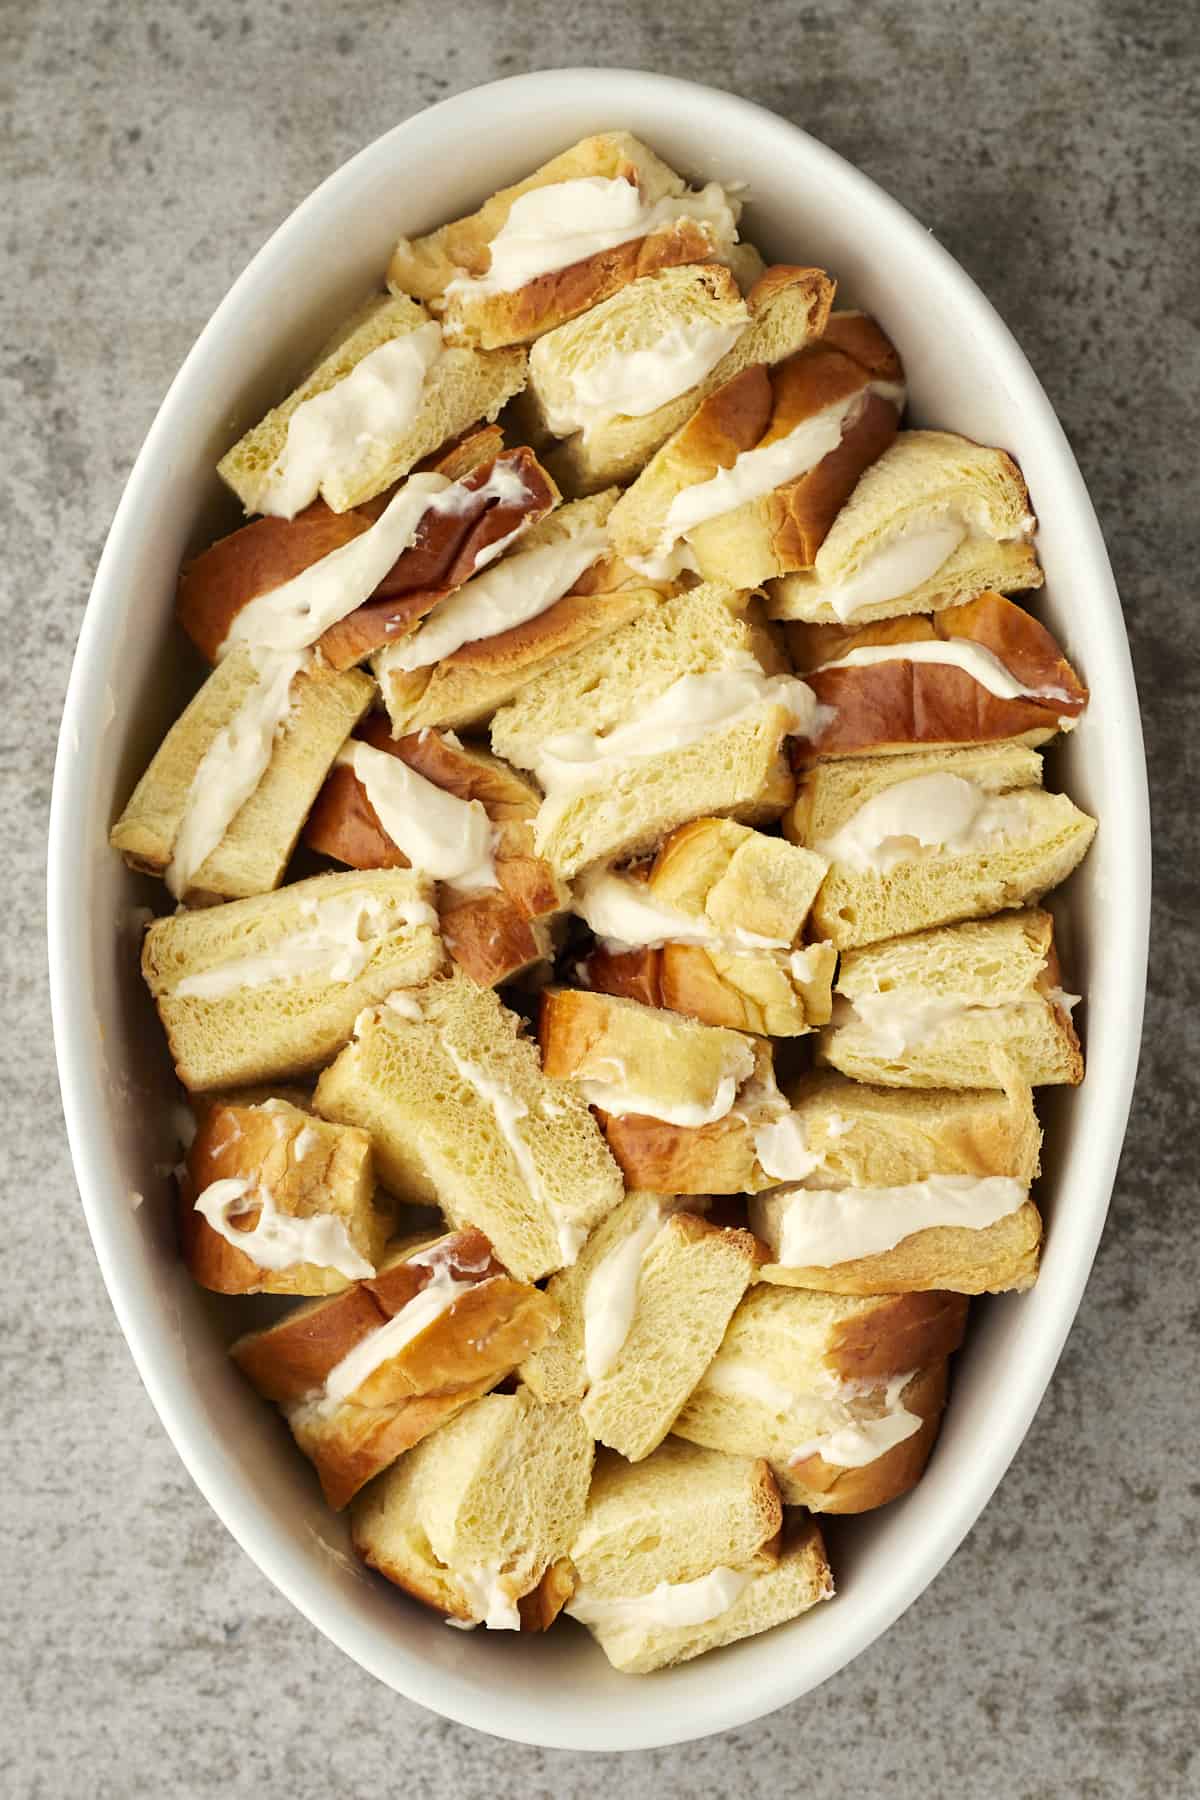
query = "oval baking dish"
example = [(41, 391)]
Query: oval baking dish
[(966, 373)]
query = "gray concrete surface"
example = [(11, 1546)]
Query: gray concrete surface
[(149, 148)]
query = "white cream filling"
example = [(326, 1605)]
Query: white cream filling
[(756, 472), (858, 1439), (782, 1151), (689, 709), (610, 1298), (903, 561), (565, 222), (339, 431), (822, 1227), (672, 1605), (279, 1240), (490, 1597), (631, 383), (337, 941), (510, 592), (624, 915), (805, 964), (233, 765), (924, 816), (445, 837), (508, 1111), (975, 660), (896, 1021), (740, 1379), (427, 1305)]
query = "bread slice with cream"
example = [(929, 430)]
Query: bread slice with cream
[(461, 1115), (932, 837), (906, 1191), (750, 485), (363, 1377), (688, 1550), (275, 1201), (680, 714), (389, 391), (978, 673), (424, 539), (956, 1006), (218, 811), (934, 522), (710, 928), (477, 1520), (842, 1395), (619, 380), (643, 1309), (560, 589), (462, 816), (564, 238), (686, 1108), (270, 987)]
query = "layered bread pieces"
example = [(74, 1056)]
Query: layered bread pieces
[(478, 1519), (270, 987), (681, 713), (711, 928), (462, 1116), (461, 510), (558, 591), (842, 1395), (389, 390), (459, 814), (615, 383), (748, 488), (971, 674), (363, 1377), (686, 1108), (642, 1311), (563, 239), (906, 1191), (218, 811), (956, 1007), (688, 1550), (934, 522), (932, 837), (275, 1201)]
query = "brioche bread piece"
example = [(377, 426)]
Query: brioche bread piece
[(482, 1512), (991, 838), (465, 686), (494, 496), (455, 268), (856, 1385), (899, 700), (271, 986), (784, 309), (642, 1313), (495, 935), (887, 1158), (776, 993), (296, 1211), (459, 387), (679, 714), (198, 816), (754, 479), (683, 1552), (943, 1007), (702, 1094), (363, 1377), (902, 517), (461, 1115)]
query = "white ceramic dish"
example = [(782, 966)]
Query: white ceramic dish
[(965, 372)]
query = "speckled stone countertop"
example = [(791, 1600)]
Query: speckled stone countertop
[(149, 149)]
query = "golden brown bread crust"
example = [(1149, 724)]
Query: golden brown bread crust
[(540, 1607), (216, 585), (684, 979), (906, 1331), (491, 938), (684, 1159), (898, 705), (460, 1356), (779, 276), (629, 974), (831, 1488), (343, 823), (1000, 1258)]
